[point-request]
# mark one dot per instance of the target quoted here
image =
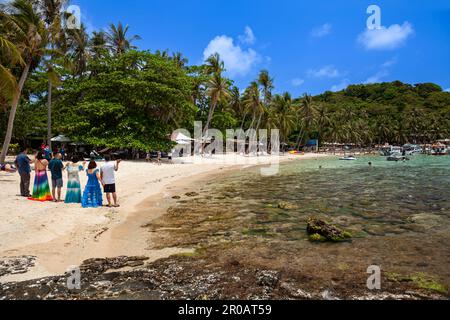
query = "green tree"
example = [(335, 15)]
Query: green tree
[(27, 32), (127, 105)]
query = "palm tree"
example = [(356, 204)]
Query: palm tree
[(28, 33), (335, 131), (253, 104), (117, 39), (179, 60), (79, 50), (284, 112), (214, 64), (235, 105), (217, 86), (98, 45), (11, 54), (217, 90), (322, 120), (307, 113), (384, 129), (51, 13), (267, 86)]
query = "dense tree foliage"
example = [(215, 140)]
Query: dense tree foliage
[(134, 100), (386, 112)]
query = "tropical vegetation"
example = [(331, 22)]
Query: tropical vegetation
[(100, 89)]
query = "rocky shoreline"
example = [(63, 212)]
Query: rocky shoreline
[(192, 278)]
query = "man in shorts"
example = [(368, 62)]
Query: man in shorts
[(56, 167), (107, 172)]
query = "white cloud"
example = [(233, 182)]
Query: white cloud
[(238, 61), (297, 82), (324, 72), (340, 86), (322, 31), (382, 73), (386, 38), (389, 63), (248, 37), (447, 90), (377, 77)]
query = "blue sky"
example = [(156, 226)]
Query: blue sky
[(308, 46)]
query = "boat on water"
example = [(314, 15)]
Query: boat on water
[(397, 158), (412, 149), (387, 151), (348, 158), (439, 150)]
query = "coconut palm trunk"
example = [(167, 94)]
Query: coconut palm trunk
[(49, 115), (208, 123), (210, 116), (12, 113)]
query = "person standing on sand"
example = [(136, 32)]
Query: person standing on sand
[(159, 158), (41, 189), (73, 194), (23, 165), (56, 167), (62, 150), (92, 196), (47, 153), (107, 172)]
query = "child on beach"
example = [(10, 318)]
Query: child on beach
[(56, 167)]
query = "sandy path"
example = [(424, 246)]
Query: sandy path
[(61, 235)]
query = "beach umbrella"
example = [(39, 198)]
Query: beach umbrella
[(61, 138)]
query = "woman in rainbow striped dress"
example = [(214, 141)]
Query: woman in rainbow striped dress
[(41, 189)]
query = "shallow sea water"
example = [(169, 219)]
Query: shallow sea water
[(398, 213)]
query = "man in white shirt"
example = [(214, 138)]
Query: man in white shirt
[(107, 172)]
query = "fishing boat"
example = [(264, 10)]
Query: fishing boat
[(439, 150), (412, 149), (397, 158), (387, 151), (348, 158)]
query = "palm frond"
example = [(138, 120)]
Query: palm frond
[(8, 83)]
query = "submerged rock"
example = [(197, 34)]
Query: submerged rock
[(287, 205), (192, 194), (426, 220), (321, 231)]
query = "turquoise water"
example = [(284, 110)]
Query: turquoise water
[(398, 213)]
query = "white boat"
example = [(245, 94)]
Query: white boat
[(387, 151), (348, 158), (412, 149), (397, 158)]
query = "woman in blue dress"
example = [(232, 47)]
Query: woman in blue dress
[(92, 196)]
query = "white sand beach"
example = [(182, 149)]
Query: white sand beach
[(61, 235)]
